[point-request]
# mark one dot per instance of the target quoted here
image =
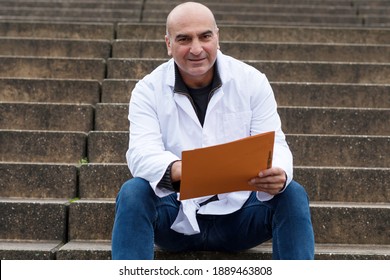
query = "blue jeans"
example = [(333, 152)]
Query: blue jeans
[(142, 219)]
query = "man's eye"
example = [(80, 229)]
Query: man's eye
[(183, 39), (207, 36)]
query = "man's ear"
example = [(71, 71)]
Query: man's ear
[(217, 33), (168, 44)]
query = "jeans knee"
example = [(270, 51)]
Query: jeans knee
[(296, 191), (134, 192)]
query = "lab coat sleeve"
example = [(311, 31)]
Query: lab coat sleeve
[(266, 118), (146, 156)]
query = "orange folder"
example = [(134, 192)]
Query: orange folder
[(226, 167)]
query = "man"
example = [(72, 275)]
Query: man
[(201, 98)]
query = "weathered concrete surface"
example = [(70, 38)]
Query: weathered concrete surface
[(42, 146), (43, 116), (29, 180), (52, 68), (48, 90), (33, 219)]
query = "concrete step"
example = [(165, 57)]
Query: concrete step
[(336, 121), (46, 116), (340, 151), (132, 4), (101, 250), (29, 250), (49, 90), (233, 13), (274, 18), (107, 147), (282, 71), (71, 14), (261, 33), (103, 181), (342, 184), (345, 223), (332, 95), (296, 120), (112, 117), (265, 51), (65, 30), (38, 180), (55, 47), (33, 219), (52, 68), (117, 91), (287, 94), (264, 252), (308, 150), (281, 12), (42, 146), (286, 2), (78, 250), (270, 7)]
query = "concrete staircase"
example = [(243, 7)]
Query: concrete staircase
[(66, 73)]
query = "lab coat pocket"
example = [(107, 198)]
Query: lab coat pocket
[(236, 125)]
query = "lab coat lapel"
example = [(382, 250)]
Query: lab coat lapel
[(185, 104)]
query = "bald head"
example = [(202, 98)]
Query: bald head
[(188, 11)]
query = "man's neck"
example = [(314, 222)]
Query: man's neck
[(199, 81)]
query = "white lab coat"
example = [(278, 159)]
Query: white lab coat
[(164, 123)]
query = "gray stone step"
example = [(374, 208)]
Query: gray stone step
[(340, 151), (279, 13), (337, 121), (260, 33), (308, 150), (117, 91), (107, 147), (33, 219), (287, 94), (52, 68), (344, 223), (49, 90), (111, 117), (66, 30), (270, 7), (29, 250), (103, 181), (274, 18), (342, 184), (286, 2), (71, 14), (101, 250), (265, 51), (281, 71), (46, 116), (42, 146), (55, 47), (332, 95), (264, 252), (132, 4), (38, 180), (296, 120)]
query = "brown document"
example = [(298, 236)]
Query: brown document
[(226, 167)]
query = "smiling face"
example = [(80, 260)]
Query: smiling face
[(192, 40)]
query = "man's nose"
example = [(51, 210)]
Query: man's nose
[(196, 47)]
